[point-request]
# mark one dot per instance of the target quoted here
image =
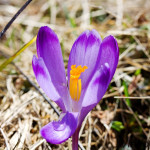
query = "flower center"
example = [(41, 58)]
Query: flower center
[(75, 86)]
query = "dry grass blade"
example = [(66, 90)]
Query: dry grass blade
[(6, 141), (119, 97), (36, 145)]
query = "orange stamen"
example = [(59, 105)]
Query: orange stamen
[(75, 86)]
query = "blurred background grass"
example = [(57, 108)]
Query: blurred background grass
[(117, 122)]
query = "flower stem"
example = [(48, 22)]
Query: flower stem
[(75, 140)]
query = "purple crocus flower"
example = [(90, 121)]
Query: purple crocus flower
[(91, 66)]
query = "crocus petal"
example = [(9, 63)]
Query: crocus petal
[(85, 52), (58, 132), (48, 47), (44, 80), (109, 53), (97, 86), (96, 90)]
